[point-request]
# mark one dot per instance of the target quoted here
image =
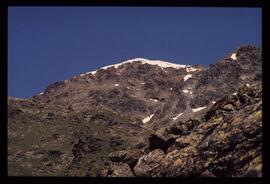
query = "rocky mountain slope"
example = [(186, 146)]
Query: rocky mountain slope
[(226, 142), (143, 118)]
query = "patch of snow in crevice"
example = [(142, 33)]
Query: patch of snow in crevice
[(198, 109), (188, 90), (185, 90), (213, 102), (41, 93), (177, 116), (148, 118), (187, 77), (116, 84), (233, 56), (154, 100), (171, 89), (143, 83), (163, 69), (191, 69), (247, 85), (234, 93)]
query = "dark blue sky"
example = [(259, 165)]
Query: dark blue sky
[(49, 44)]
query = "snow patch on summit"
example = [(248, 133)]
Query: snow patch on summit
[(162, 64), (93, 72)]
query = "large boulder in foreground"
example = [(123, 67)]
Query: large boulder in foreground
[(149, 165), (116, 169)]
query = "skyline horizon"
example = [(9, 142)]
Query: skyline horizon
[(50, 44), (133, 59)]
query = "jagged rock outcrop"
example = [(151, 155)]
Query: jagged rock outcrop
[(227, 142)]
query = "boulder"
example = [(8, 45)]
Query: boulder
[(149, 165), (119, 169)]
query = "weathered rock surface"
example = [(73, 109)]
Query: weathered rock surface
[(118, 169), (129, 157), (149, 164), (227, 143)]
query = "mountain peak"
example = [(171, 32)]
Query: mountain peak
[(163, 64), (160, 63)]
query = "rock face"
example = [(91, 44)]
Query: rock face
[(144, 118), (227, 142)]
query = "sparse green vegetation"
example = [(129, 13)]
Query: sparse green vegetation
[(39, 133)]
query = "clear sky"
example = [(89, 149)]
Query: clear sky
[(50, 44)]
